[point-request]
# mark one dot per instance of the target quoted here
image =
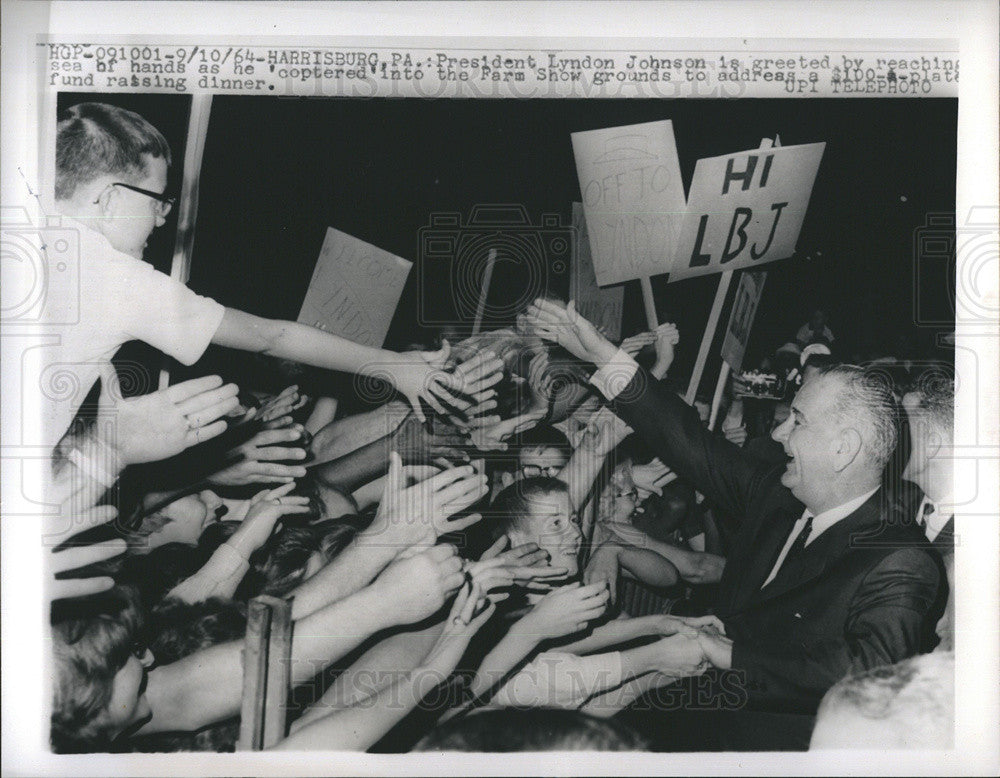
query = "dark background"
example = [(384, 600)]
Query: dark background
[(278, 171)]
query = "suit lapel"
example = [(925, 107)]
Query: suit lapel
[(824, 550), (761, 552)]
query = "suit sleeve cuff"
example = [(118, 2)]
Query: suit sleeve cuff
[(97, 460), (612, 378)]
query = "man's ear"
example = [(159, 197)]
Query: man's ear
[(847, 446), (933, 444), (108, 200)]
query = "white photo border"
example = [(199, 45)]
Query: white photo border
[(973, 24)]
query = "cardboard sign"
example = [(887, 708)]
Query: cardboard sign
[(603, 307), (354, 289), (633, 198), (741, 318), (745, 209)]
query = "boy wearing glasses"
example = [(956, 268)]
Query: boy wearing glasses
[(111, 176)]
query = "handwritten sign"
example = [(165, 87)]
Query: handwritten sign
[(745, 209), (603, 307), (734, 345), (354, 290), (633, 198)]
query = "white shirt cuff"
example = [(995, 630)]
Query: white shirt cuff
[(612, 378)]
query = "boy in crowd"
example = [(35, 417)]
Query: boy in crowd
[(111, 179)]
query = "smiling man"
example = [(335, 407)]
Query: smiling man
[(821, 580)]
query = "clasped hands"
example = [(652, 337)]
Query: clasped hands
[(693, 644)]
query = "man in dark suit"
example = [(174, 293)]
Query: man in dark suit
[(930, 411), (823, 579)]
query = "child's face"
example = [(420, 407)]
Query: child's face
[(552, 526), (136, 215)]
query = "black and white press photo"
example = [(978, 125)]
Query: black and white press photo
[(413, 396)]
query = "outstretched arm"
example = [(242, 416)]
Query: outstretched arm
[(564, 611), (694, 566), (361, 726), (604, 432), (673, 430), (624, 629), (206, 686), (417, 376), (343, 436)]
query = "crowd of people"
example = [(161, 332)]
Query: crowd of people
[(533, 543)]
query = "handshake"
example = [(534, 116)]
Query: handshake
[(693, 645)]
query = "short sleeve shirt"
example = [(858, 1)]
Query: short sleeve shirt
[(120, 299)]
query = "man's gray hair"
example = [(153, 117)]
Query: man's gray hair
[(865, 399), (935, 390)]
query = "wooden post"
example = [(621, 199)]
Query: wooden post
[(266, 673), (254, 677), (279, 673), (720, 386), (709, 336), (187, 203), (649, 303), (487, 277)]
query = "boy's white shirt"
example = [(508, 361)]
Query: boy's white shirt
[(119, 298)]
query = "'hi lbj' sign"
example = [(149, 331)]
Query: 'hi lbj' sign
[(745, 209)]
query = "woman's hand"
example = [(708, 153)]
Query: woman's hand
[(540, 383), (493, 437), (415, 516), (282, 405), (262, 459), (470, 611), (651, 478), (689, 625), (260, 519), (417, 446), (72, 557), (682, 655), (417, 586), (634, 344), (519, 567), (161, 424), (667, 337), (565, 611)]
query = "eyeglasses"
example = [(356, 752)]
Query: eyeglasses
[(164, 203), (533, 471)]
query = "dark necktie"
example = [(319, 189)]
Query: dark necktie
[(800, 542)]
